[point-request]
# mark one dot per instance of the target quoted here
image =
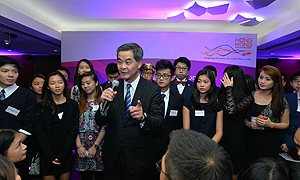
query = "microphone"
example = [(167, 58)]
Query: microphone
[(106, 105)]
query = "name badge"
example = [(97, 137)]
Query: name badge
[(60, 115), (298, 107), (12, 110), (95, 107), (173, 112), (253, 119), (199, 113)]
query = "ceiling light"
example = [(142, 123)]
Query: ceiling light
[(55, 50)]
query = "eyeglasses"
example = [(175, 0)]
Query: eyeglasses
[(181, 68), (147, 73), (165, 76), (158, 167), (296, 81)]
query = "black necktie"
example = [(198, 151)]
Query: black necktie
[(163, 98), (2, 94)]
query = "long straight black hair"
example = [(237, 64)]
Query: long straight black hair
[(240, 87), (211, 95), (47, 100)]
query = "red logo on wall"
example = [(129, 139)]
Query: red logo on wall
[(243, 42)]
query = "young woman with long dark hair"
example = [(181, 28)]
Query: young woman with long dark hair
[(89, 139), (56, 128), (83, 66), (237, 101), (36, 85), (203, 112), (270, 114)]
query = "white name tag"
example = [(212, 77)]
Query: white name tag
[(173, 112), (95, 107), (12, 110), (253, 119), (199, 113), (298, 107), (60, 115)]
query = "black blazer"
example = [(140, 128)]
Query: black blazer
[(187, 91), (136, 144), (69, 125), (171, 123), (104, 85)]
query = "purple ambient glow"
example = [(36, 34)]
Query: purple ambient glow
[(180, 17), (196, 9)]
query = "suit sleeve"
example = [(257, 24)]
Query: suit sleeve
[(29, 113), (155, 114), (73, 131), (42, 138), (289, 141)]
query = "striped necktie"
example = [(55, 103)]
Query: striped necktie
[(2, 94), (127, 102)]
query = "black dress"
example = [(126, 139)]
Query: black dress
[(56, 135), (205, 124)]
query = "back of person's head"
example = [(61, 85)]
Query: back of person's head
[(194, 156), (165, 64), (7, 169), (250, 81), (8, 60), (111, 68), (264, 169), (135, 48), (183, 60), (7, 136), (212, 68), (295, 76)]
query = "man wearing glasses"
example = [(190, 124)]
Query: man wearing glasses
[(295, 81), (173, 102), (147, 71), (192, 156), (182, 85)]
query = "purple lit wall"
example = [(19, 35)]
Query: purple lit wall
[(217, 49)]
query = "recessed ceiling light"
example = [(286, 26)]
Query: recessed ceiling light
[(55, 50), (9, 50), (272, 53)]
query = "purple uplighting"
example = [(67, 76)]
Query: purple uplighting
[(239, 19), (257, 4), (196, 9), (222, 9), (180, 17), (9, 53), (251, 22)]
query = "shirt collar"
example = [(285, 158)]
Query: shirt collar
[(185, 79), (10, 89), (167, 93), (134, 83)]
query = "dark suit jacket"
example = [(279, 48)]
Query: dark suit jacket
[(69, 130), (136, 143), (287, 136), (171, 123), (104, 85), (188, 89)]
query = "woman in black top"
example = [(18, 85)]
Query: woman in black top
[(56, 128), (237, 100), (203, 112)]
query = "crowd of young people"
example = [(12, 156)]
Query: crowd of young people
[(133, 134)]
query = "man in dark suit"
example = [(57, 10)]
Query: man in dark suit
[(112, 74), (182, 84), (135, 108), (289, 147), (173, 102)]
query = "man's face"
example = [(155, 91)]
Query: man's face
[(128, 66), (181, 70), (296, 84), (163, 78), (65, 74), (8, 75), (112, 77), (297, 140)]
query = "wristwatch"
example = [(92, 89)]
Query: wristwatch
[(96, 145)]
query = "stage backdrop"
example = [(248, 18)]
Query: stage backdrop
[(217, 49)]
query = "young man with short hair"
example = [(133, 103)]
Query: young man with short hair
[(173, 102), (182, 84), (295, 81), (112, 74), (17, 106), (135, 109)]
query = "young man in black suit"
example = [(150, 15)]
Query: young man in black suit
[(112, 74), (182, 84), (173, 102), (135, 108), (17, 107)]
